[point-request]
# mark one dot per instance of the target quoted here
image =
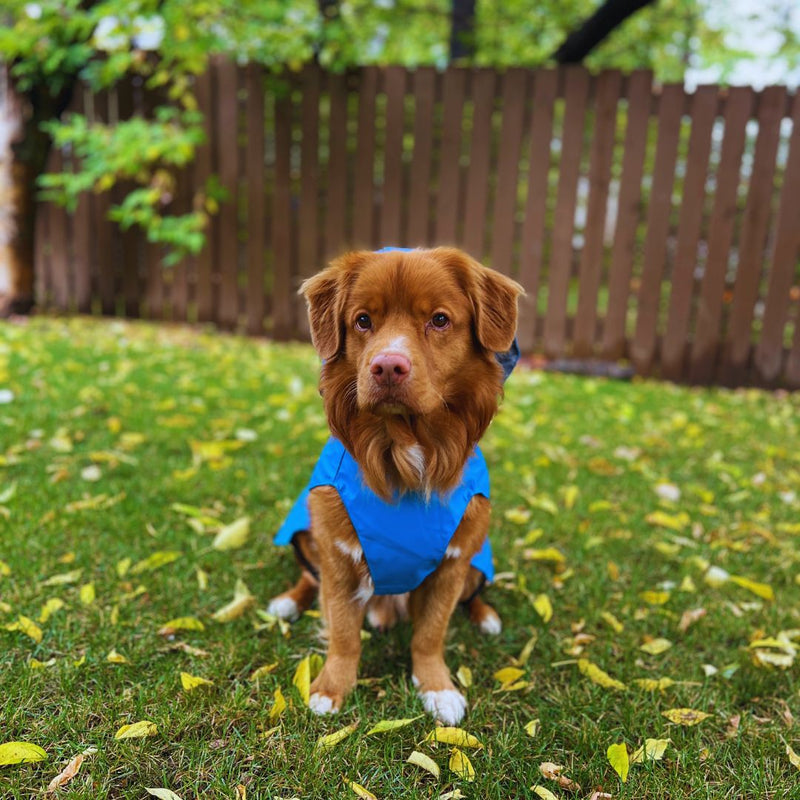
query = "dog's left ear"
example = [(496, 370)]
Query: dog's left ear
[(494, 297), (326, 293)]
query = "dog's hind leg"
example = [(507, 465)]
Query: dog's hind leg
[(481, 614), (290, 605)]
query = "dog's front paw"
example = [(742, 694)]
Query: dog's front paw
[(283, 607), (447, 705), (321, 704)]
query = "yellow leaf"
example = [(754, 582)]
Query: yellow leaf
[(612, 621), (522, 659), (461, 765), (49, 608), (618, 758), (651, 750), (26, 626), (63, 578), (543, 792), (518, 516), (191, 682), (685, 716), (87, 594), (763, 590), (302, 679), (598, 676), (508, 675), (675, 522), (181, 624), (162, 794), (654, 685), (654, 598), (158, 559), (464, 675), (20, 753), (391, 725), (332, 739), (137, 730), (279, 706), (242, 600), (122, 567), (5, 570), (427, 763), (34, 663), (116, 658), (532, 727), (545, 554), (232, 536), (454, 736), (793, 757), (262, 672), (570, 496), (365, 794), (543, 607), (656, 646)]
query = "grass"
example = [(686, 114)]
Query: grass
[(576, 465)]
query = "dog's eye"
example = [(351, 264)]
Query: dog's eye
[(440, 320), (363, 322)]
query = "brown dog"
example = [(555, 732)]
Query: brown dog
[(410, 383)]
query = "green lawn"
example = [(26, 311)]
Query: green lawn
[(113, 437)]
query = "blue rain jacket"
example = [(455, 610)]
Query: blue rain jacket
[(403, 541)]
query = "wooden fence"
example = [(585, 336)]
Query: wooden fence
[(646, 223)]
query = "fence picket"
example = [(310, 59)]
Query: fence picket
[(752, 240), (256, 219), (449, 195), (534, 226), (421, 165), (591, 261), (769, 351), (392, 190), (643, 346), (337, 179), (705, 346), (576, 94), (364, 201)]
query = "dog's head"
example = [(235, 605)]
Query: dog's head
[(410, 381)]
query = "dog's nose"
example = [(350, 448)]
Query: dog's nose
[(389, 369)]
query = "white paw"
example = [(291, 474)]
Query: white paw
[(448, 705), (491, 625), (283, 608), (321, 704)]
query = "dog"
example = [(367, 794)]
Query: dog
[(399, 501)]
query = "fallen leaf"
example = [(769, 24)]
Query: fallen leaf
[(651, 750), (116, 658), (181, 624), (137, 730), (543, 607), (262, 672), (612, 621), (278, 706), (763, 590), (391, 725), (20, 753), (302, 679), (49, 608), (552, 772), (464, 676), (508, 675), (242, 600), (232, 536), (461, 765), (546, 554), (427, 763), (67, 774), (675, 522), (689, 617), (192, 682), (26, 626), (365, 794), (532, 727), (654, 598), (617, 755), (598, 676), (654, 684), (656, 646), (794, 759), (158, 559), (163, 794), (332, 739), (454, 736), (87, 594), (545, 794), (685, 716)]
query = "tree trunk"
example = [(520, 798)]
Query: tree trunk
[(609, 16), (462, 30), (24, 148)]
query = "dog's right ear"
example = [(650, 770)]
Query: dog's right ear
[(326, 295)]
